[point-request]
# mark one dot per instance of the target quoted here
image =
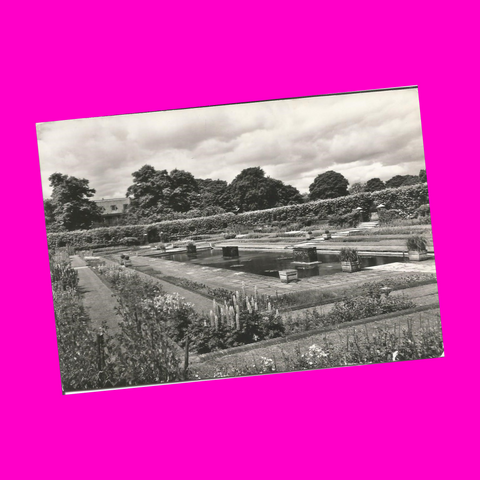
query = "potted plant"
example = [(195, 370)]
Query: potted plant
[(327, 235), (309, 235), (350, 260), (191, 247), (417, 248)]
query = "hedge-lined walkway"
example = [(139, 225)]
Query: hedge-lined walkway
[(98, 299)]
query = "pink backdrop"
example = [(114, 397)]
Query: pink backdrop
[(72, 60)]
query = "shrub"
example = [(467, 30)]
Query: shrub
[(254, 328), (349, 220), (423, 210), (349, 255), (63, 276), (369, 304), (417, 243), (386, 217), (130, 241)]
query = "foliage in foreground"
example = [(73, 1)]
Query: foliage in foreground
[(91, 358), (361, 346)]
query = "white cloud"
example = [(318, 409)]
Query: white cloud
[(359, 135)]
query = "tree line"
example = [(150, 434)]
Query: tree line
[(157, 195)]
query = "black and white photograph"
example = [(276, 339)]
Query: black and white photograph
[(239, 240)]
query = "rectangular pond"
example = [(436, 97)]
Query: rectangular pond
[(269, 263)]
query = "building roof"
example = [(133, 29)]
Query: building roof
[(108, 203)]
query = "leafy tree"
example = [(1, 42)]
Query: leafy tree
[(328, 185), (356, 188), (184, 190), (252, 190), (70, 207), (395, 181), (49, 209), (402, 181), (284, 194), (156, 193), (374, 185), (422, 176), (214, 194), (410, 180), (149, 191)]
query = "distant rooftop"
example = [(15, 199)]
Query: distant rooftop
[(113, 206)]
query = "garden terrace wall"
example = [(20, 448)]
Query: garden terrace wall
[(406, 199)]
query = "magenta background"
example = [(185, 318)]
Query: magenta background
[(64, 60)]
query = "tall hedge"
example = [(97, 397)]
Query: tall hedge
[(406, 199)]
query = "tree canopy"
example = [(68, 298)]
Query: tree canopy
[(214, 195), (374, 185), (422, 176), (156, 192), (357, 187), (402, 181), (70, 207), (328, 185), (252, 190)]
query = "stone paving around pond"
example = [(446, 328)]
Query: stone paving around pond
[(223, 278)]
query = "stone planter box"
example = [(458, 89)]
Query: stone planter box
[(287, 276), (230, 252), (327, 236), (416, 256), (305, 254), (191, 248), (351, 267)]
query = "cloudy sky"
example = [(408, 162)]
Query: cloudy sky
[(362, 135)]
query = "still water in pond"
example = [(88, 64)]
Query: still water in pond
[(269, 263)]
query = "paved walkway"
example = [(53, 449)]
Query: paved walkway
[(98, 299)]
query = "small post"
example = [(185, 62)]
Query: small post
[(101, 356), (185, 363)]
